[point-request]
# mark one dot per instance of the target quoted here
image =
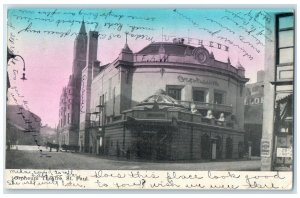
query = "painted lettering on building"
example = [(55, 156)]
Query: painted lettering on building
[(196, 80), (196, 42), (254, 101)]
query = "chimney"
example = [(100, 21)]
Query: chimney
[(260, 76), (92, 48)]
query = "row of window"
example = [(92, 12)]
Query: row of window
[(65, 120), (198, 95), (285, 29)]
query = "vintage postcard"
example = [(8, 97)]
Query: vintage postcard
[(149, 98)]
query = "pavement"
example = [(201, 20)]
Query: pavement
[(32, 159)]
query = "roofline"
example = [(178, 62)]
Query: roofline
[(165, 43)]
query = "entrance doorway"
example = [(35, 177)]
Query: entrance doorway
[(229, 148), (219, 147), (205, 147), (145, 145)]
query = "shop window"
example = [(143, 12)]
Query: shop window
[(174, 92), (218, 98), (283, 111)]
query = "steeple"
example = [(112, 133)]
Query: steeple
[(80, 52), (126, 53), (126, 48), (82, 28)]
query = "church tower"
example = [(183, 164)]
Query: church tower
[(70, 99), (80, 52)]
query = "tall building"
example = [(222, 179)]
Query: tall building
[(69, 107), (278, 115), (197, 114), (254, 101)]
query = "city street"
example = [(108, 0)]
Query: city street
[(32, 159)]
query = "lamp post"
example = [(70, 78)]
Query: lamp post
[(10, 55)]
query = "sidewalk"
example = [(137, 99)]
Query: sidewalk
[(65, 160)]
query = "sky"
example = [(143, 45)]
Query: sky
[(45, 40)]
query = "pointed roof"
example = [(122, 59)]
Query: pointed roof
[(82, 28), (228, 60), (161, 49), (212, 55), (126, 49), (239, 65)]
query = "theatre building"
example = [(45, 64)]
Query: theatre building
[(168, 101)]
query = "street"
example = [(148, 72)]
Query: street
[(32, 159)]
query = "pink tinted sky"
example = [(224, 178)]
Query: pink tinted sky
[(49, 57)]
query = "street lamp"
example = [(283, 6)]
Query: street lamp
[(10, 55)]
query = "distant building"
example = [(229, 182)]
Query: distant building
[(254, 113), (49, 135), (21, 126), (198, 114)]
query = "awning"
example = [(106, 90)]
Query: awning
[(280, 98)]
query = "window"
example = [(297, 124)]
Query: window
[(114, 99), (199, 95), (285, 38), (174, 92), (109, 88), (284, 105), (101, 100), (218, 98), (69, 121)]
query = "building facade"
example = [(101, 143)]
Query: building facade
[(69, 106), (254, 114), (278, 116), (21, 126), (197, 114)]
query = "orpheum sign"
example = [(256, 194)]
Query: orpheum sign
[(196, 80)]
